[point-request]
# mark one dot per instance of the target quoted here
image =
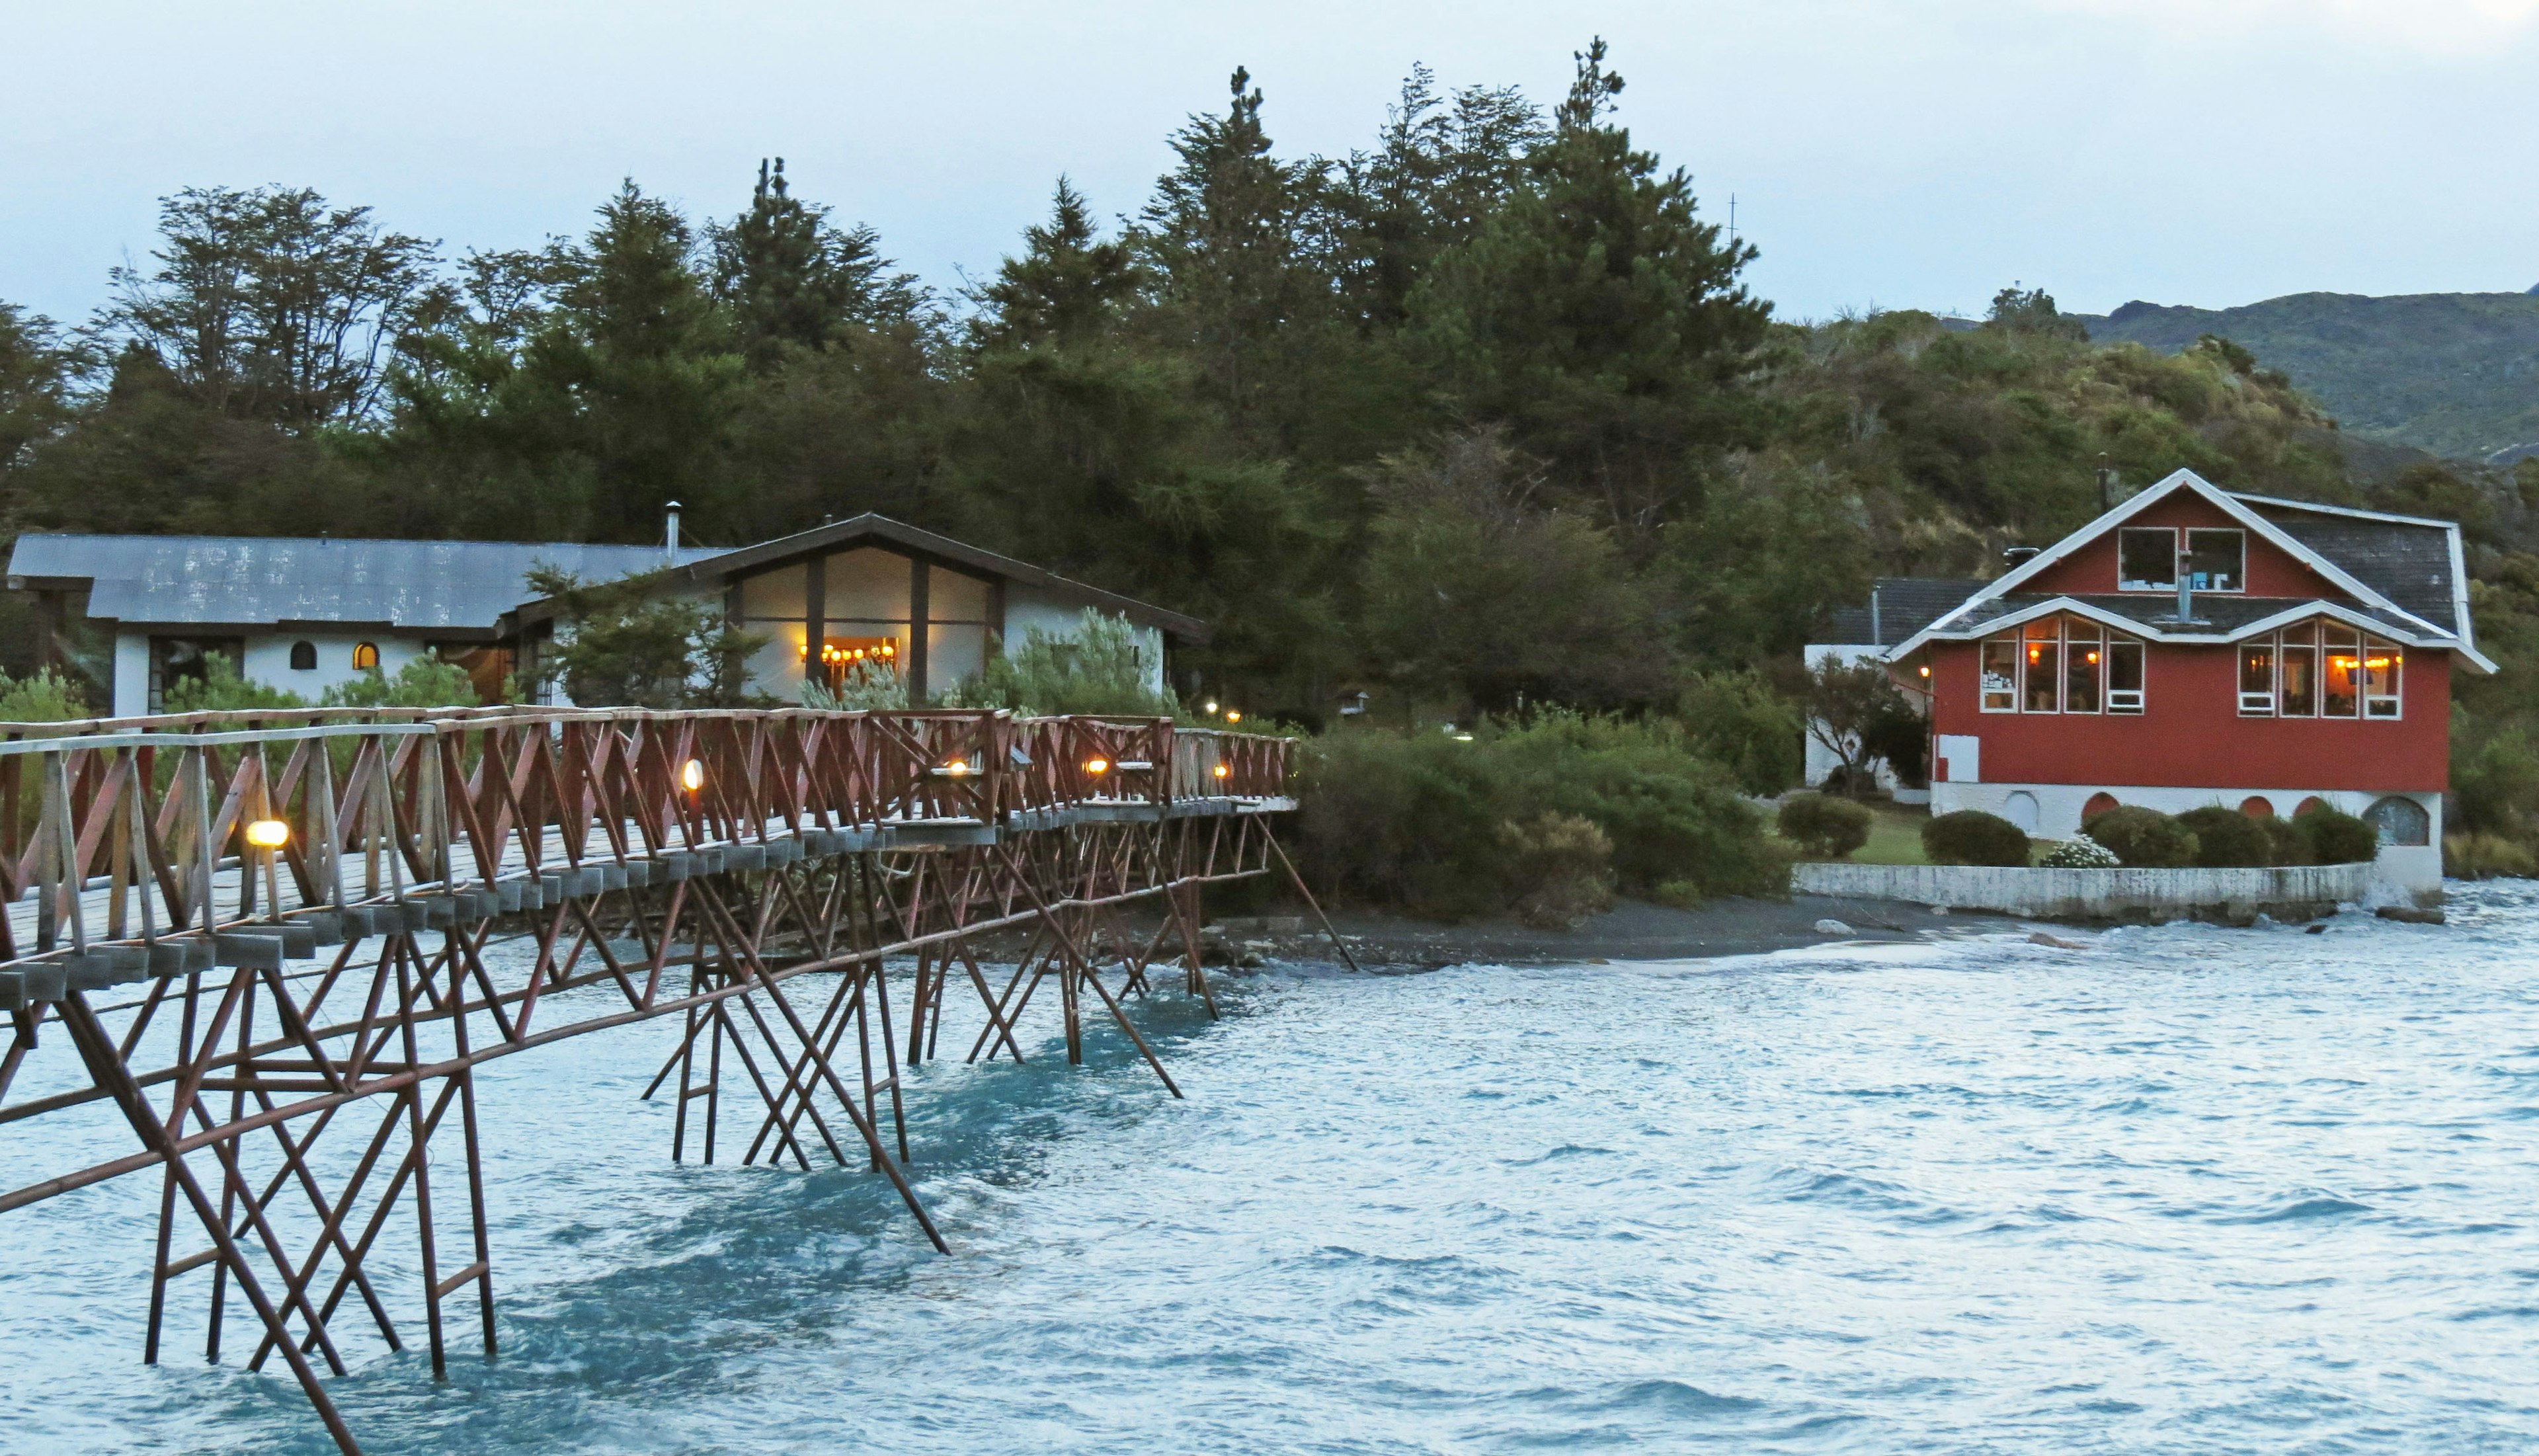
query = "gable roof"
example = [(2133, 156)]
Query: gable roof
[(1904, 605), (251, 581), (870, 529), (2351, 549)]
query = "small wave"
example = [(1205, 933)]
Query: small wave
[(1666, 1397), (2297, 1211)]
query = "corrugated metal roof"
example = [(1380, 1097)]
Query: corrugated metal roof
[(241, 579)]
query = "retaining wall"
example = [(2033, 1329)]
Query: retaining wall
[(2292, 892)]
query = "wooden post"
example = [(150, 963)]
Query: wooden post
[(815, 619), (913, 671)]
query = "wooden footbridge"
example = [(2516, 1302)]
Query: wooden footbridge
[(254, 932)]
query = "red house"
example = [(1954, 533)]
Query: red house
[(2193, 647)]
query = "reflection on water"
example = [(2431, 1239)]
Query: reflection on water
[(2189, 1188)]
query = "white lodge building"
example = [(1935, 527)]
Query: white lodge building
[(306, 614)]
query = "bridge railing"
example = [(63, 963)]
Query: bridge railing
[(127, 830)]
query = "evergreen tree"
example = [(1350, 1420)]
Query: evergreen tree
[(793, 280), (1068, 286), (1441, 168), (1599, 317)]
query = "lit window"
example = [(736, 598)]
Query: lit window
[(365, 654), (2062, 665), (2317, 670), (2147, 559)]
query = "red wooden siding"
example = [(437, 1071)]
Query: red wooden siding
[(2090, 570), (2190, 734)]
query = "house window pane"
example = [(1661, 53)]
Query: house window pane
[(366, 656), (2341, 688), (2257, 677), (2298, 696), (2217, 559), (2124, 675), (2145, 559), (2044, 659), (2001, 675), (2083, 659), (2381, 665)]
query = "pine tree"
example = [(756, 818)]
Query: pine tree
[(1599, 315), (793, 280), (1068, 286)]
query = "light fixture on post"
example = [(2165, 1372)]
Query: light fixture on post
[(268, 834), (1232, 716), (1097, 767), (692, 775), (1223, 771)]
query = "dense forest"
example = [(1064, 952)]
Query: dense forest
[(1479, 416)]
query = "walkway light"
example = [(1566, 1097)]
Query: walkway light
[(692, 775), (1223, 771), (1208, 707), (957, 768), (1097, 767), (268, 834), (1232, 716)]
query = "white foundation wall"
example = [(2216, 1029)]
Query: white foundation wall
[(131, 674), (2053, 811), (268, 660)]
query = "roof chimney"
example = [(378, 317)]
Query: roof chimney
[(1877, 631), (671, 538), (2016, 557)]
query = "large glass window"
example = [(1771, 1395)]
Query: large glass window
[(2320, 670), (2062, 665), (2045, 665), (2217, 560), (2147, 559), (2001, 675)]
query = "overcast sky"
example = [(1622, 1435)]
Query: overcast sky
[(1894, 153)]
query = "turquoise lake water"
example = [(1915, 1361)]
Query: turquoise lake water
[(2189, 1188)]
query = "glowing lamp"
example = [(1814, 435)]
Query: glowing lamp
[(1233, 716), (1463, 738), (1097, 766), (1926, 669), (692, 776), (268, 834), (1224, 771), (957, 767), (1209, 705)]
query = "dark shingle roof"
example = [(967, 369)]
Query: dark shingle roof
[(1906, 606), (242, 580), (2407, 562)]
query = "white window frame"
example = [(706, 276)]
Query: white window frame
[(2176, 551), (2112, 701), (2185, 548), (2370, 705)]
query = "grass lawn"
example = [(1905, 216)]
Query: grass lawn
[(1894, 836)]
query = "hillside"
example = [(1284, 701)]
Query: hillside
[(2453, 372)]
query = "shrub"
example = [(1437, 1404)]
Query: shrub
[(1559, 870), (424, 682), (2332, 837), (1735, 721), (1414, 819), (2079, 852), (44, 696), (1827, 828), (2283, 841), (1973, 837), (221, 687), (2486, 856), (2143, 839), (1100, 668), (2226, 839), (864, 686)]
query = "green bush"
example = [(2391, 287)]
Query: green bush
[(2486, 856), (1973, 837), (2143, 839), (1415, 819), (1561, 869), (1100, 669), (221, 688), (1735, 721), (423, 682), (1823, 826), (2283, 841), (2332, 837), (42, 696), (2226, 839)]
